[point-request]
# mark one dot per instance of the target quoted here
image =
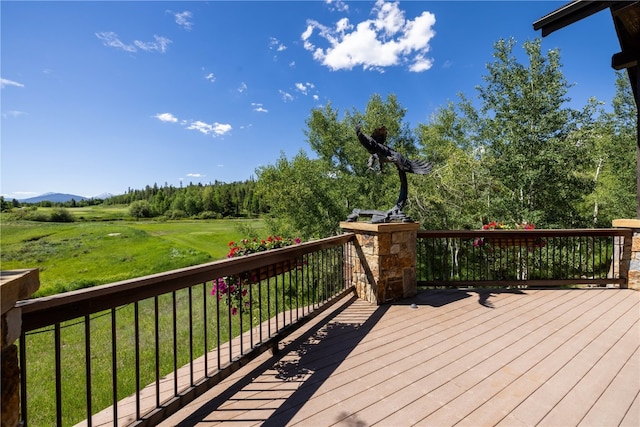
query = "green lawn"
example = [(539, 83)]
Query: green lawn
[(83, 254), (94, 213), (212, 237)]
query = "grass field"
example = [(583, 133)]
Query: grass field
[(99, 213), (82, 254), (189, 327), (105, 248), (85, 213)]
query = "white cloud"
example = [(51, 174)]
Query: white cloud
[(215, 129), (159, 45), (304, 87), (275, 44), (386, 40), (111, 39), (242, 87), (421, 64), (6, 82), (18, 195), (183, 19), (196, 175), (286, 97), (13, 113), (259, 108), (337, 5), (210, 77), (166, 117)]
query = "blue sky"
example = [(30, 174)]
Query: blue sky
[(104, 96)]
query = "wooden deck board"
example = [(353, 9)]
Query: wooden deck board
[(516, 357)]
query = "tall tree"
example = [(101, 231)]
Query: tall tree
[(312, 196), (301, 196), (532, 137), (454, 195), (615, 160), (336, 144)]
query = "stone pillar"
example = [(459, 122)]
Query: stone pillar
[(630, 262), (14, 285), (383, 260)]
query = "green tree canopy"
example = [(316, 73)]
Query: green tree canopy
[(517, 153), (313, 195)]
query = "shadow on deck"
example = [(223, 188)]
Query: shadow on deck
[(494, 357)]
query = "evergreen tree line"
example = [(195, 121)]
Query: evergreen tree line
[(206, 201), (215, 200), (7, 205)]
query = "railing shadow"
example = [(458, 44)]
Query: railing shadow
[(441, 297), (309, 360)]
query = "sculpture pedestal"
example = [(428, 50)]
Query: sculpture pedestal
[(383, 260)]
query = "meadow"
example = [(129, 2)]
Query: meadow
[(103, 246), (97, 250)]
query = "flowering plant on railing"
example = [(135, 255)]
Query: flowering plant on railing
[(232, 289), (493, 225), (246, 246)]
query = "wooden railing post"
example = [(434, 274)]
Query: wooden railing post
[(14, 285), (384, 267), (630, 262)]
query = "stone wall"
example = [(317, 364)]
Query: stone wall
[(631, 252), (383, 260)]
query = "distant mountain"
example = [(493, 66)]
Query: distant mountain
[(53, 197), (102, 196)]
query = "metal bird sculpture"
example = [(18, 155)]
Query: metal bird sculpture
[(375, 145), (382, 153)]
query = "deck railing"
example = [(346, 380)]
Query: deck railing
[(135, 351), (522, 257)]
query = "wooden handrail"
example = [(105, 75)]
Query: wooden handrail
[(44, 311)]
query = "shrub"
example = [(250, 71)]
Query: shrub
[(140, 209), (210, 215), (175, 214), (61, 215)]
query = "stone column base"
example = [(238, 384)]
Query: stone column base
[(14, 285), (632, 256), (383, 260), (10, 386)]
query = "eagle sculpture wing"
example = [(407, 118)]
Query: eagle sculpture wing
[(375, 145)]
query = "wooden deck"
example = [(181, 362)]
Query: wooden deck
[(468, 358)]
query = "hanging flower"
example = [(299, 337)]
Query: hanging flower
[(233, 289), (524, 225), (493, 225)]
